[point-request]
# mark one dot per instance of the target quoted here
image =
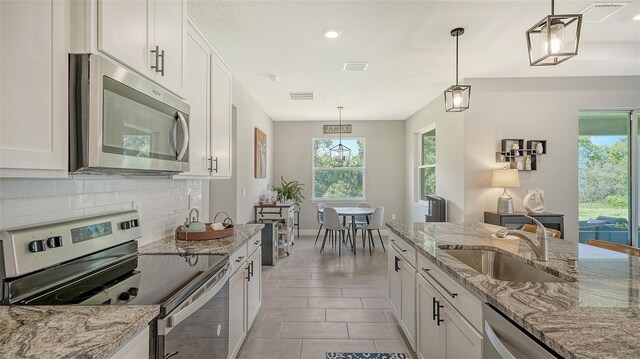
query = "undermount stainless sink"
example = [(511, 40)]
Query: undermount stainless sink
[(501, 267)]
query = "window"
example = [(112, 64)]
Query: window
[(427, 164), (608, 208), (338, 182)]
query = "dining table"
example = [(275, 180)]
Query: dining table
[(352, 212)]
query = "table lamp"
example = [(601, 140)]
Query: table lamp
[(505, 178)]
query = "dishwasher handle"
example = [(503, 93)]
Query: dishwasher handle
[(496, 342), (166, 324)]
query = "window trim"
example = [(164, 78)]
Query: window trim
[(420, 165), (363, 168)]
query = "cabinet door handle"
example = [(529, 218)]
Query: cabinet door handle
[(397, 264), (210, 164), (156, 51), (251, 268), (438, 306), (433, 307), (216, 161), (248, 273), (453, 295), (161, 56)]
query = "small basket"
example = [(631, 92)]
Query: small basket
[(209, 234)]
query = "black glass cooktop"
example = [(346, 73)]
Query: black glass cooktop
[(142, 280)]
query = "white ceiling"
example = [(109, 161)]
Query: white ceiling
[(407, 43)]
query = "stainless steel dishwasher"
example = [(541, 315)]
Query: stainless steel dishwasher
[(505, 340)]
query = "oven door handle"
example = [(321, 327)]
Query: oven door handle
[(166, 324)]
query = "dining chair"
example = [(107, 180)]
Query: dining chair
[(614, 247), (320, 219), (375, 224), (334, 229)]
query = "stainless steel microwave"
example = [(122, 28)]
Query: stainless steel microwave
[(121, 123)]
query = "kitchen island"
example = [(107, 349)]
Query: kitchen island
[(592, 314), (73, 331)]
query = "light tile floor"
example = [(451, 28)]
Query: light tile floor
[(315, 303)]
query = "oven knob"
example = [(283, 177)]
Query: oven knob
[(124, 296), (37, 246), (125, 225), (54, 242), (133, 291), (134, 223)]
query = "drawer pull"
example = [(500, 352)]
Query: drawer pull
[(239, 259), (256, 242), (400, 248), (397, 262), (453, 295)]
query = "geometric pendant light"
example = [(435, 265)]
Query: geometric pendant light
[(340, 154), (457, 97), (554, 39)]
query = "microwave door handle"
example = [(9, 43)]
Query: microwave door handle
[(173, 137), (185, 141), (170, 322)]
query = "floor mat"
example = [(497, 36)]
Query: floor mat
[(334, 355)]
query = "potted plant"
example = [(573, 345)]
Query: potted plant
[(290, 191)]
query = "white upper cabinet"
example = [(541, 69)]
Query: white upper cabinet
[(221, 135), (125, 32), (208, 91), (34, 47), (170, 32), (148, 36), (198, 92)]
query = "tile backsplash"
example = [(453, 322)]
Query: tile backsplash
[(163, 203)]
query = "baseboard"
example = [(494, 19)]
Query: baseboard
[(314, 232)]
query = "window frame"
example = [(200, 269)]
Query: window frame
[(363, 168), (420, 165)]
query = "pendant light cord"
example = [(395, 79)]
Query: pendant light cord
[(340, 126), (457, 36), (552, 7)]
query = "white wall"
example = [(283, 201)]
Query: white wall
[(384, 151), (449, 159), (163, 203), (534, 108), (249, 116)]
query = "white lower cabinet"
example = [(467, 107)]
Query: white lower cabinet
[(431, 337), (442, 331), (237, 315), (136, 348), (402, 293), (254, 286), (245, 293)]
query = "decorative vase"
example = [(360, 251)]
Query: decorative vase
[(527, 163), (534, 201), (539, 148), (519, 164)]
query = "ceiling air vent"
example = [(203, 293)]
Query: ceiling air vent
[(597, 12), (355, 66), (301, 96)]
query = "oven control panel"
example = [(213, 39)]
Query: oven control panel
[(28, 249)]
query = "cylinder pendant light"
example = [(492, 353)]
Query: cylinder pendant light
[(340, 154), (554, 39), (457, 97)]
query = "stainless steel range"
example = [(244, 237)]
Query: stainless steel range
[(95, 261)]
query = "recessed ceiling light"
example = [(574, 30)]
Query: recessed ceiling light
[(637, 17), (331, 33)]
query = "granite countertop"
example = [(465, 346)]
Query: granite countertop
[(595, 314), (169, 245), (70, 331)]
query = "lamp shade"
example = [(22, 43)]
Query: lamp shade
[(506, 178)]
